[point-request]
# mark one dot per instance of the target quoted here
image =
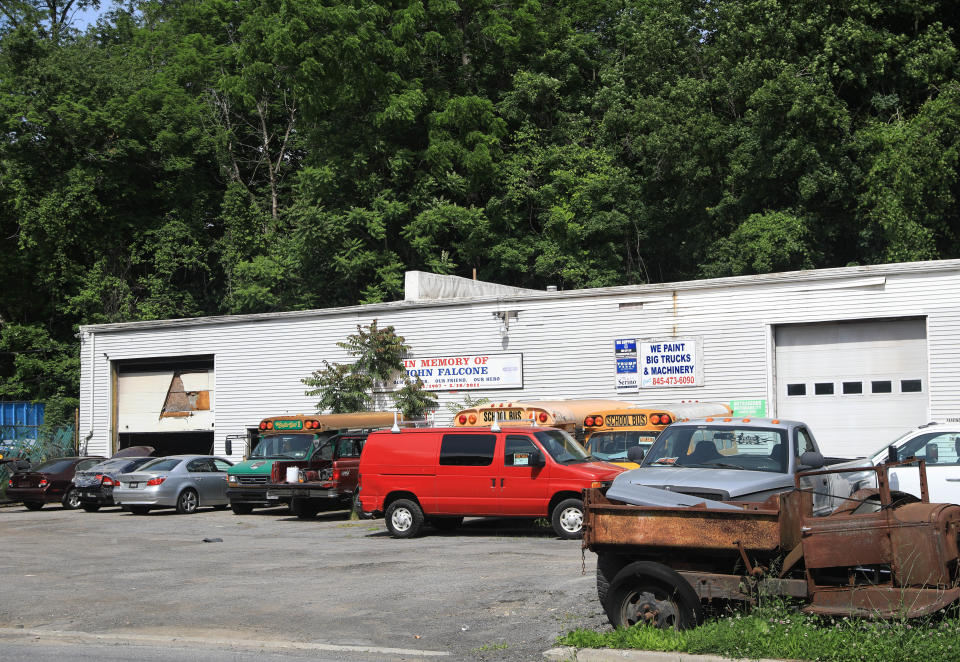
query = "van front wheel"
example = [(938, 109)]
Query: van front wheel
[(567, 519), (404, 518)]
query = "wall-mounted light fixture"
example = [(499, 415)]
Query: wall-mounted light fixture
[(505, 317)]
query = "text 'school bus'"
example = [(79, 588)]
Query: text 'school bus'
[(563, 414), (291, 437), (610, 433)]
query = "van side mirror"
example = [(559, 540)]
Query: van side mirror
[(228, 446), (636, 454), (537, 459), (811, 460)]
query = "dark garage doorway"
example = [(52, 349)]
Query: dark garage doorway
[(170, 443)]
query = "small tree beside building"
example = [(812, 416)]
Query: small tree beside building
[(379, 354)]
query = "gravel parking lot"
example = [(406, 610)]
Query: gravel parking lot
[(493, 590)]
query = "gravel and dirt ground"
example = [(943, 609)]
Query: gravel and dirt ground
[(492, 590)]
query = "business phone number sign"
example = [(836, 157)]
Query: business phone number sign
[(670, 362)]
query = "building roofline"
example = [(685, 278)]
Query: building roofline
[(805, 276)]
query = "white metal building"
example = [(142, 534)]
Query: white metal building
[(860, 353)]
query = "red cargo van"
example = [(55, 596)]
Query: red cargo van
[(441, 475)]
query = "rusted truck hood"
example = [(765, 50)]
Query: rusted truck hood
[(716, 484)]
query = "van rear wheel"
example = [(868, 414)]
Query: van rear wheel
[(567, 519), (404, 518)]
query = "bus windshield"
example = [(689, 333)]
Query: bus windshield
[(720, 447), (613, 445), (290, 446), (563, 448)]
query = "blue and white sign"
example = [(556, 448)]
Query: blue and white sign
[(670, 362), (625, 351), (625, 346)]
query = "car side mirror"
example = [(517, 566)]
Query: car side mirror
[(636, 454), (811, 460), (228, 446), (537, 459)]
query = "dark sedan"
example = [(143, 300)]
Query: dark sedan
[(49, 482), (95, 485)]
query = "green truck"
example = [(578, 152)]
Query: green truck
[(289, 438)]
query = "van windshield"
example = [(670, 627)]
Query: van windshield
[(613, 445), (289, 446), (563, 448)]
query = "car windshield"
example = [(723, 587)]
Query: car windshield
[(162, 464), (720, 447), (292, 446), (563, 448), (53, 466), (613, 445)]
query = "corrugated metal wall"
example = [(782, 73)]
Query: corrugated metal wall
[(566, 340), (20, 420)]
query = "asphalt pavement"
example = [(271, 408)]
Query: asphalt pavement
[(274, 585)]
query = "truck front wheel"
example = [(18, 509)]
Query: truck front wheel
[(651, 593), (241, 508)]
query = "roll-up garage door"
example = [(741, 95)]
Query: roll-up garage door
[(858, 385), (166, 403)]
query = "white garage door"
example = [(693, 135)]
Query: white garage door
[(858, 385)]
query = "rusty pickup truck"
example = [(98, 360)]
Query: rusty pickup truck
[(880, 553)]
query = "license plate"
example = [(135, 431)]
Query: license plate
[(134, 484)]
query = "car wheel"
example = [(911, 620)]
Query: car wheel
[(71, 499), (33, 505), (187, 502), (650, 593), (446, 523), (241, 508), (404, 518), (90, 507), (139, 510), (567, 519)]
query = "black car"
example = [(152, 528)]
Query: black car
[(94, 485), (49, 482)]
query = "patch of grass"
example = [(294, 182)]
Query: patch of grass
[(491, 647), (780, 632)]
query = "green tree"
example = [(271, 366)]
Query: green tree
[(413, 400)]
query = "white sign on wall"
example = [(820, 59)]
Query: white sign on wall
[(670, 362), (465, 372)]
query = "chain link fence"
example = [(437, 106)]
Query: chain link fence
[(29, 445)]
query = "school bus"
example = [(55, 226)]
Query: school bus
[(292, 437), (564, 414), (611, 432)]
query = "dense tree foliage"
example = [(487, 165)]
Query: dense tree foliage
[(191, 157)]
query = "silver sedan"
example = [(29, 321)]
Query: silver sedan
[(184, 482)]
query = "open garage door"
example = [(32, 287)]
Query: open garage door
[(857, 384), (167, 403)]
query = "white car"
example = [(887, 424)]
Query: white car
[(939, 445)]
